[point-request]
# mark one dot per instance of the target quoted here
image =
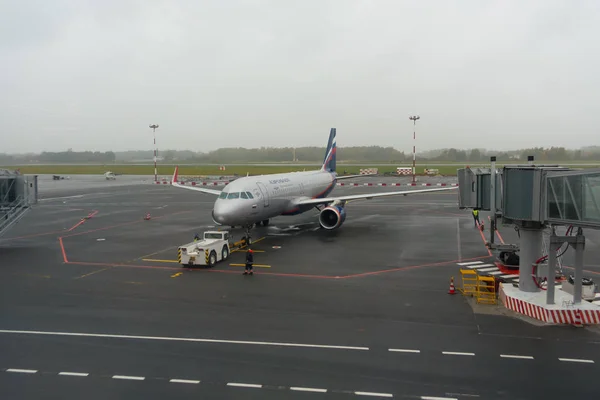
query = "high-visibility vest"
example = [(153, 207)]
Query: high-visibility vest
[(475, 213)]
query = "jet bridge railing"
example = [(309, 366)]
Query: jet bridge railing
[(573, 198)]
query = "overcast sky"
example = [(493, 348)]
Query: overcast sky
[(92, 75)]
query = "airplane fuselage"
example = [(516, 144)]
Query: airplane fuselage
[(252, 199)]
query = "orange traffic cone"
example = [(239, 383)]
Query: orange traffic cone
[(577, 319), (452, 289)]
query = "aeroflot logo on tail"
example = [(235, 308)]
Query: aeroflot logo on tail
[(275, 181)]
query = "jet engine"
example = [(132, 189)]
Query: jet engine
[(332, 217)]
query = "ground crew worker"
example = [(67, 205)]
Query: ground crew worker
[(476, 217), (249, 262), (196, 237)]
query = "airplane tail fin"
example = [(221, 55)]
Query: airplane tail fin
[(175, 175), (329, 161)]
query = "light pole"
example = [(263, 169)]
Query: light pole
[(155, 171), (414, 119)]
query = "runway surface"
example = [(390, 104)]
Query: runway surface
[(99, 307)]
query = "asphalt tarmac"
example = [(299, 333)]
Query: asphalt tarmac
[(99, 307)]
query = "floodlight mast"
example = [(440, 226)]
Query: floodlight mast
[(414, 119), (154, 126)]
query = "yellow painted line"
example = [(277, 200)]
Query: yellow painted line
[(176, 275), (242, 247), (255, 265), (92, 273), (165, 261), (156, 252)]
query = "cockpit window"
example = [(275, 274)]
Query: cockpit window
[(249, 195), (223, 195), (235, 195), (243, 195)]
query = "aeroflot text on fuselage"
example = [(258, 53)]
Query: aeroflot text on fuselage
[(275, 181)]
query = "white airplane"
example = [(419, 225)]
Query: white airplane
[(254, 199)]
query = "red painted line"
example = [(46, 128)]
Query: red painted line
[(62, 249), (483, 238), (123, 224), (274, 274), (90, 215), (76, 225), (101, 264), (413, 267), (585, 270), (497, 231), (33, 235)]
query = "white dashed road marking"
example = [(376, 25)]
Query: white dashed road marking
[(470, 263), (405, 350), (455, 353), (305, 389), (373, 394), (132, 378), (577, 360), (516, 356), (247, 385), (73, 373), (437, 398), (22, 371), (183, 381)]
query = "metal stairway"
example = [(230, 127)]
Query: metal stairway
[(18, 194), (11, 214), (545, 247)]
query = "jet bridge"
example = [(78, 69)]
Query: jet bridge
[(535, 198), (18, 193)]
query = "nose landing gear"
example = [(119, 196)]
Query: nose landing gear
[(247, 240)]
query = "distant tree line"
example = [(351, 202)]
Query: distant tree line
[(70, 156), (368, 154)]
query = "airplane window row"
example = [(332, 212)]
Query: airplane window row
[(236, 195)]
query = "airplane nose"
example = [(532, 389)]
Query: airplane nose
[(221, 213), (218, 217)]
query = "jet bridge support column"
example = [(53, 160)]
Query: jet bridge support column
[(531, 250), (554, 240), (579, 247), (578, 243), (493, 199)]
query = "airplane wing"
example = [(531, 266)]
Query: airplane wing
[(189, 187), (367, 196), (351, 176)]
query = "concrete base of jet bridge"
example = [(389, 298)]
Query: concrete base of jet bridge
[(563, 311)]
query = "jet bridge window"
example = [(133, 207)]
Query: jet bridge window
[(223, 195), (243, 195), (235, 195)]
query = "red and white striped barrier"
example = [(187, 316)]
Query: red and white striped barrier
[(338, 184), (396, 184), (368, 171), (550, 314), (195, 183)]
